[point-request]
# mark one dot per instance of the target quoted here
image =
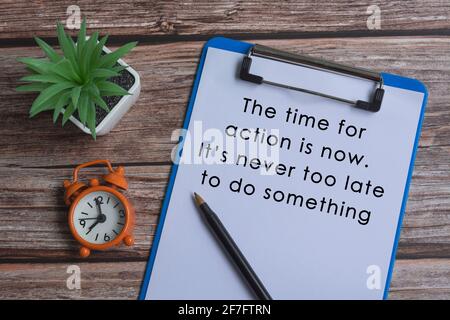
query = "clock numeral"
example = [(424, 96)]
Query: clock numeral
[(83, 222), (122, 213), (106, 238), (96, 237), (99, 200)]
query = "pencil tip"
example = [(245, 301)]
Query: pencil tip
[(199, 200)]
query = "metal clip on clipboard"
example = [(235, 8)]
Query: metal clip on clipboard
[(270, 53)]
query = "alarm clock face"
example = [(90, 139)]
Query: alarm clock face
[(99, 217)]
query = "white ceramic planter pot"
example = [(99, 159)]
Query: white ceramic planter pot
[(118, 111)]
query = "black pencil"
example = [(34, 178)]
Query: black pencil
[(232, 249)]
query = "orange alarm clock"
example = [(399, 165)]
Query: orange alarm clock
[(100, 216)]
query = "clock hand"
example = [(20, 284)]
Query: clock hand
[(92, 227), (97, 203), (98, 218), (101, 217)]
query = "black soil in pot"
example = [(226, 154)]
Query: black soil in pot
[(124, 80)]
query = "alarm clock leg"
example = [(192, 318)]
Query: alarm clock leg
[(128, 240), (84, 252)]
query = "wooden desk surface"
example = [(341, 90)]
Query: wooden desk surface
[(35, 156)]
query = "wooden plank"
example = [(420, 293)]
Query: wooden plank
[(24, 19), (35, 155), (120, 280), (34, 217), (412, 279), (421, 279), (167, 72)]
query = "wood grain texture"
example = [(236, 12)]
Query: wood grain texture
[(34, 218), (412, 279), (120, 280), (167, 73), (36, 159), (24, 19), (421, 279), (35, 244)]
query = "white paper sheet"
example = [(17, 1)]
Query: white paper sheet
[(298, 253)]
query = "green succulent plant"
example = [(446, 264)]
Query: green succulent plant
[(75, 80)]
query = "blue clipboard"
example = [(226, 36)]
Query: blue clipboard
[(243, 48)]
